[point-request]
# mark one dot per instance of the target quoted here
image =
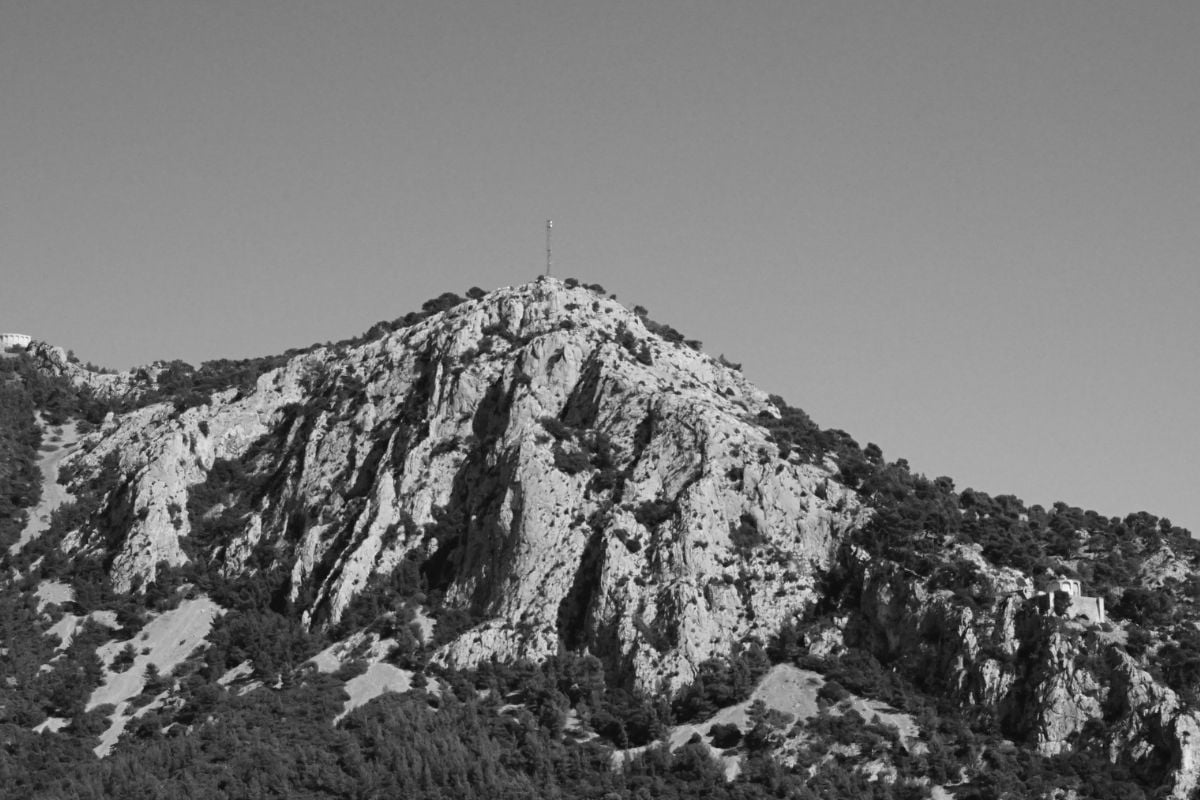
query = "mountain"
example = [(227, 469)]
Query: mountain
[(535, 507)]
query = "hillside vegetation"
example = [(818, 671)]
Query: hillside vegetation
[(300, 494)]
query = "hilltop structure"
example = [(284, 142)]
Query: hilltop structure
[(8, 340)]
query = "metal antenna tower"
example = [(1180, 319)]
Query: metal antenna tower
[(549, 227)]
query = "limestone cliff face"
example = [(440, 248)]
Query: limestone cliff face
[(565, 474), (104, 384), (1051, 682)]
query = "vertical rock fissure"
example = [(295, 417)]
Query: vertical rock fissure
[(575, 609)]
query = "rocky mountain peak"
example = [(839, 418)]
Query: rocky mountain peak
[(560, 470), (539, 476)]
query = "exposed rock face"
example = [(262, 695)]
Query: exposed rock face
[(1048, 679), (598, 499), (104, 384), (567, 477), (1151, 726)]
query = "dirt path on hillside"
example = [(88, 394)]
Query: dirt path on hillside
[(54, 494)]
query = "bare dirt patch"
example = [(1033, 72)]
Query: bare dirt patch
[(790, 690), (379, 678), (57, 593), (165, 642), (53, 592), (52, 724)]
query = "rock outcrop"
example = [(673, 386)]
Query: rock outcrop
[(564, 475), (562, 472), (1052, 682), (54, 360)]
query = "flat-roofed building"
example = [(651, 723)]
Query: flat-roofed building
[(8, 340)]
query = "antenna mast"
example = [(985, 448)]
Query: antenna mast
[(549, 227)]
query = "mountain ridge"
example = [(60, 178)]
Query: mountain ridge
[(542, 474), (551, 351)]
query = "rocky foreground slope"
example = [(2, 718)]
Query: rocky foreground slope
[(543, 471)]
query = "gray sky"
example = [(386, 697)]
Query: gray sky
[(964, 230)]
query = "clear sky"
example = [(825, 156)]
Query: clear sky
[(967, 231)]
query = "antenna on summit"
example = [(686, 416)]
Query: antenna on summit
[(549, 227)]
